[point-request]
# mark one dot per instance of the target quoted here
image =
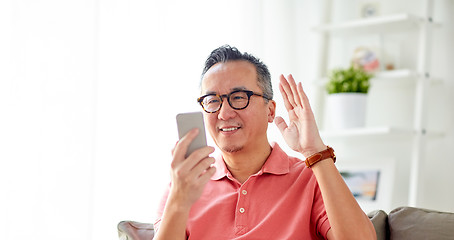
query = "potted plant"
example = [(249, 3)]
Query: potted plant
[(347, 89)]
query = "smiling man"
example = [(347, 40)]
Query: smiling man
[(254, 190)]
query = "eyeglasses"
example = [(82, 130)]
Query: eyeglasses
[(238, 100)]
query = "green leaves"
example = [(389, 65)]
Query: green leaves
[(348, 80)]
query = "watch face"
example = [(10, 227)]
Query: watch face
[(333, 154)]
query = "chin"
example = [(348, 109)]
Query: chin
[(231, 149)]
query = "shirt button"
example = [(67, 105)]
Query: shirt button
[(244, 192), (242, 210)]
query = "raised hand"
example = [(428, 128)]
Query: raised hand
[(301, 134)]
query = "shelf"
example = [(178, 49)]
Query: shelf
[(397, 22), (367, 132), (395, 75), (400, 76), (375, 132)]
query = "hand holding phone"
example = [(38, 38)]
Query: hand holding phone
[(189, 175), (188, 121)]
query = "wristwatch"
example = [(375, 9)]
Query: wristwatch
[(317, 157)]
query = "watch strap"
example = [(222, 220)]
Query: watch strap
[(322, 155)]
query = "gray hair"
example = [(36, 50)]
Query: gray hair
[(227, 53)]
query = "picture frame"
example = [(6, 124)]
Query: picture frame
[(371, 183), (362, 183)]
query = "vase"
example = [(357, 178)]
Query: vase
[(347, 110)]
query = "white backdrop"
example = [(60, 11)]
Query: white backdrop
[(89, 91)]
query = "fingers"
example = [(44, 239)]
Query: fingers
[(289, 92), (182, 146), (287, 103), (292, 93), (286, 92), (293, 86), (206, 176), (190, 177), (173, 149), (199, 156), (302, 95), (196, 165), (280, 124), (202, 170)]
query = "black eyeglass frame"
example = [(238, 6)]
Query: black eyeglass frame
[(221, 97)]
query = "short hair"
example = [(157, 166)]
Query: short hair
[(227, 53)]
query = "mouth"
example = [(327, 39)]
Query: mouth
[(229, 129)]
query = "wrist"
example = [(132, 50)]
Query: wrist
[(178, 202), (178, 207), (309, 152)]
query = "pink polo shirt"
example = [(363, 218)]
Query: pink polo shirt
[(281, 201)]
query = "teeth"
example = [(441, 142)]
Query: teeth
[(229, 129)]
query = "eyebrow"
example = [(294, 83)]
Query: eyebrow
[(231, 90)]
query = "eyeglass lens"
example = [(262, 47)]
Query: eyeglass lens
[(237, 100)]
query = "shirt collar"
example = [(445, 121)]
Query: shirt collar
[(277, 164)]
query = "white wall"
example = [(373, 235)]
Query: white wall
[(86, 121), (47, 90), (151, 56)]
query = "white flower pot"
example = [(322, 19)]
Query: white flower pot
[(347, 110)]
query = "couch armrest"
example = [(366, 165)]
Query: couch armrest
[(130, 230), (379, 219)]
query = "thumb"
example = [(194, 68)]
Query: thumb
[(280, 124)]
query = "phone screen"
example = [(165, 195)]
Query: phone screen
[(187, 122)]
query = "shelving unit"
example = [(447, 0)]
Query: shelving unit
[(385, 131), (373, 25), (362, 132), (399, 75), (420, 78)]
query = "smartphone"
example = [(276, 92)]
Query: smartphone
[(188, 121)]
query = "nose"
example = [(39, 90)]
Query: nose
[(226, 111)]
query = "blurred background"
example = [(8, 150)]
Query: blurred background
[(89, 91)]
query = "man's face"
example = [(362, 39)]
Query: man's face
[(237, 130)]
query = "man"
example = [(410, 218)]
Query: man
[(254, 190)]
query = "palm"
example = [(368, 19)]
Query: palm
[(292, 134), (301, 134)]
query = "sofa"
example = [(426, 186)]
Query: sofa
[(413, 223), (401, 223)]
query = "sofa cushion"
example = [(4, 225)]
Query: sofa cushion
[(379, 219), (416, 223), (130, 230)]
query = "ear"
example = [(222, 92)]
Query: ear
[(271, 110)]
